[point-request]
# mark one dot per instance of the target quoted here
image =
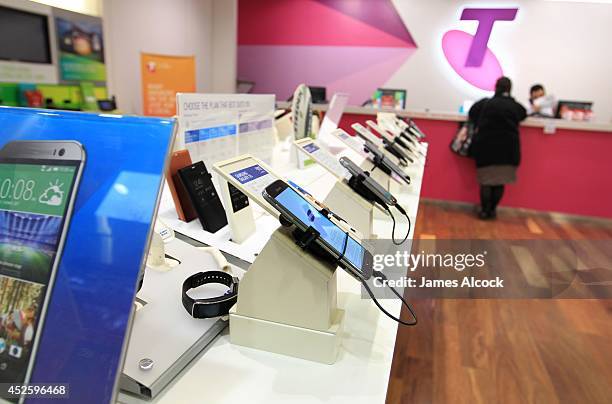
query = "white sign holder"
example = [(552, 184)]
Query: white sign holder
[(240, 218), (250, 175)]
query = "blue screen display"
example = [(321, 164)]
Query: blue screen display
[(87, 318), (332, 234)]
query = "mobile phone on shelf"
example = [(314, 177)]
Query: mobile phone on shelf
[(380, 159), (38, 184), (368, 181), (409, 127), (204, 197), (387, 144), (392, 138), (354, 257)]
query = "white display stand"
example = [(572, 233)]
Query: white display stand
[(241, 222), (287, 303), (353, 208)]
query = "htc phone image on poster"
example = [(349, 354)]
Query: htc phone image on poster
[(38, 184)]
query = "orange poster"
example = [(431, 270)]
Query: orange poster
[(162, 77)]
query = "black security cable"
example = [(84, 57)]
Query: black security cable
[(346, 237), (381, 275), (404, 302), (402, 211)]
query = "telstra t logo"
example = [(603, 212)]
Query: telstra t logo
[(469, 55)]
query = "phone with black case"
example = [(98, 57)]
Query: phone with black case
[(204, 197)]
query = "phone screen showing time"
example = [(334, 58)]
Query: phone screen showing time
[(34, 198)]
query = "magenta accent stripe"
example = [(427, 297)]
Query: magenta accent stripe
[(380, 14)]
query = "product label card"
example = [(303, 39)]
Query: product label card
[(327, 160), (353, 142), (255, 178)]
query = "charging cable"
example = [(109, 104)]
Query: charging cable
[(404, 302), (395, 292), (306, 239), (357, 184), (402, 211)]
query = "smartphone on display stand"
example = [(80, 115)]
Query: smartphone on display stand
[(38, 185), (203, 195), (395, 139), (368, 181), (381, 159), (388, 145), (355, 258)]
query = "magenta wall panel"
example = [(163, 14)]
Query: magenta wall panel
[(351, 46)]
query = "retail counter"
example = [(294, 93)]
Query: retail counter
[(568, 171)]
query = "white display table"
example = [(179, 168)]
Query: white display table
[(227, 373)]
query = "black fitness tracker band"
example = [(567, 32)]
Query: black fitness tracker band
[(214, 306)]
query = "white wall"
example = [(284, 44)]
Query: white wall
[(563, 45), (225, 46), (91, 7), (177, 27)]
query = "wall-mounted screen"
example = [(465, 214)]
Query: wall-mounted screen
[(24, 36)]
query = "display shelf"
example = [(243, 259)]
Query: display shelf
[(227, 373)]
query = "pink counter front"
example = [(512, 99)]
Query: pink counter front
[(569, 171)]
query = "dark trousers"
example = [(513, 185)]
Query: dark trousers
[(490, 195)]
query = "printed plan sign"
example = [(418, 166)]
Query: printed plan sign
[(162, 78), (218, 127)]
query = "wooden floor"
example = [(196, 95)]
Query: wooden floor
[(504, 351)]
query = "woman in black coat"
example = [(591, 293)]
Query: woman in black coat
[(495, 145)]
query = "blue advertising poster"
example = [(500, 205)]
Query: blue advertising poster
[(78, 193)]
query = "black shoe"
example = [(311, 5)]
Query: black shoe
[(483, 215)]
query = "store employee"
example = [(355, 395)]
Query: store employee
[(540, 104)]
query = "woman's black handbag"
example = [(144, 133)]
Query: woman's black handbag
[(462, 141)]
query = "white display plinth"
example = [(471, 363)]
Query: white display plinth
[(287, 303), (353, 208), (229, 373)]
